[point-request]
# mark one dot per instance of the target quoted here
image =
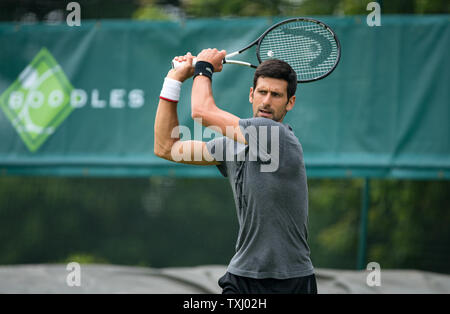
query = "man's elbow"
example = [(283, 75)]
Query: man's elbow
[(201, 109), (197, 114), (158, 153), (203, 114), (161, 152)]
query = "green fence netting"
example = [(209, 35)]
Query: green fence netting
[(82, 100)]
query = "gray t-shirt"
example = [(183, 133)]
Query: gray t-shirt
[(269, 185)]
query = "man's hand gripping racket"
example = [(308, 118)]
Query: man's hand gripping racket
[(309, 46), (212, 56)]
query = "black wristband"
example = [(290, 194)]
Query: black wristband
[(204, 68)]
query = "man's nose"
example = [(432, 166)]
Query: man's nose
[(267, 98)]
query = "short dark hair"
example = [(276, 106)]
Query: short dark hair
[(277, 69)]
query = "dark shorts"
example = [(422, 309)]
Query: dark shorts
[(233, 284)]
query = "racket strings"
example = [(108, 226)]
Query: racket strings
[(309, 48)]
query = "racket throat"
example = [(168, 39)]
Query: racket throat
[(239, 62)]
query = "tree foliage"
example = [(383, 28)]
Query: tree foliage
[(12, 10), (163, 222), (213, 8)]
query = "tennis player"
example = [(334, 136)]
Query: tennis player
[(272, 254)]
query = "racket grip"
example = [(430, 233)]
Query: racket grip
[(177, 64)]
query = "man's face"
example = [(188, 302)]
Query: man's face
[(269, 99)]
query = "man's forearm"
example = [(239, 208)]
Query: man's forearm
[(166, 115), (204, 109), (202, 99), (165, 122)]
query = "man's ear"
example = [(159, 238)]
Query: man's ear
[(290, 103), (250, 97)]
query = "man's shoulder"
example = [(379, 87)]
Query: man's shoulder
[(255, 124), (258, 121)]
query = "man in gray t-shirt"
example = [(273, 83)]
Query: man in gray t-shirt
[(263, 160), (272, 206)]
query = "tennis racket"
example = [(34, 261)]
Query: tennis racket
[(309, 46)]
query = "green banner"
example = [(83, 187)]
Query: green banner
[(82, 100)]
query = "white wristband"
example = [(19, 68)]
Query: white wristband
[(170, 90)]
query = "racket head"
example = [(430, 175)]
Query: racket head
[(309, 46)]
